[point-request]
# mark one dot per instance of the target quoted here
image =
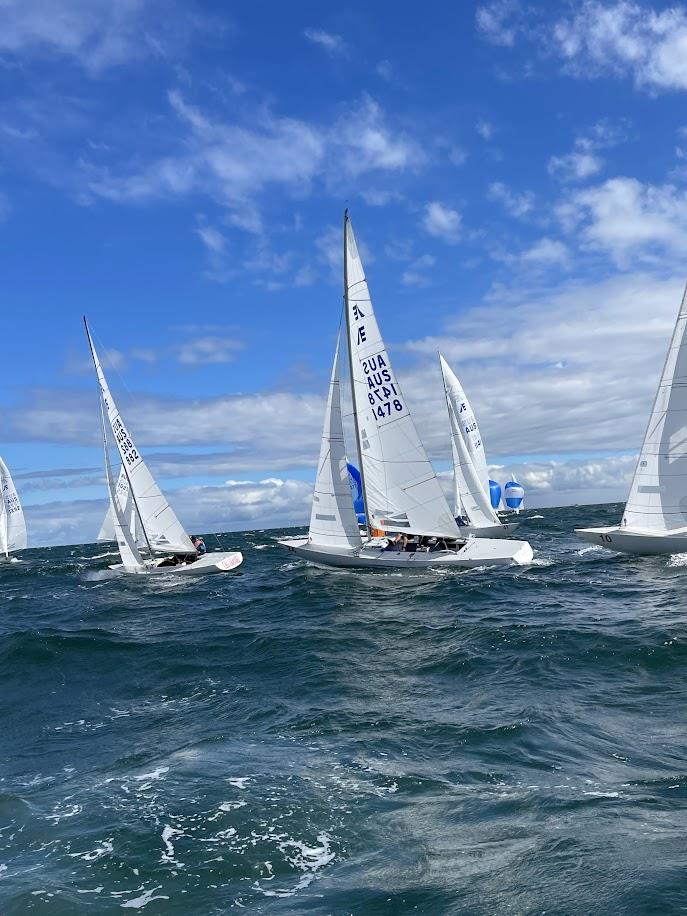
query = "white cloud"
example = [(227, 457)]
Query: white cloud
[(627, 39), (485, 129), (416, 274), (546, 251), (379, 198), (575, 166), (385, 70), (457, 155), (234, 164), (208, 349), (626, 218), (442, 222), (517, 204), (332, 43), (498, 21), (96, 34), (211, 238)]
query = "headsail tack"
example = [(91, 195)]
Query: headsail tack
[(402, 491), (12, 523)]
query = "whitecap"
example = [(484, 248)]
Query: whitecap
[(146, 897)]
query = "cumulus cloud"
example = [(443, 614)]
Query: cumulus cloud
[(208, 349), (442, 222), (627, 218), (416, 274), (628, 39), (498, 21)]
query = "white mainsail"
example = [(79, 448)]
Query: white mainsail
[(162, 529), (658, 493), (402, 492), (129, 552), (12, 523), (332, 521), (468, 480)]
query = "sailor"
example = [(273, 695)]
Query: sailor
[(199, 544)]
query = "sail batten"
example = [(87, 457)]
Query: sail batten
[(402, 491)]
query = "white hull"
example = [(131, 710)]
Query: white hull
[(206, 565), (638, 542), (489, 531), (475, 552)]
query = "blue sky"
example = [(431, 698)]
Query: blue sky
[(177, 171)]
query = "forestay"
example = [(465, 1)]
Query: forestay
[(468, 482), (162, 528), (658, 493), (12, 523), (402, 491), (332, 521)]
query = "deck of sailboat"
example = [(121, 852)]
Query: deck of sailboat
[(206, 565), (473, 552)]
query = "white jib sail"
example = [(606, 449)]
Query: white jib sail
[(12, 523), (402, 491), (467, 481), (333, 521), (658, 493), (126, 504), (163, 529)]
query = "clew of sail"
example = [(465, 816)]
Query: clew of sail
[(402, 491), (467, 478), (658, 493), (161, 527), (12, 523), (332, 521)]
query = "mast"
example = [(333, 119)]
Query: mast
[(350, 373), (456, 489), (131, 489)]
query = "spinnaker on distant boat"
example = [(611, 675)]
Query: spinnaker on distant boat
[(155, 531), (12, 522), (401, 493)]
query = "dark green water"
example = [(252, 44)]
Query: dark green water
[(296, 740)]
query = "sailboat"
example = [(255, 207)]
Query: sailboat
[(12, 523), (401, 492), (148, 533), (471, 500), (655, 516)]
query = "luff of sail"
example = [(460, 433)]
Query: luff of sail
[(658, 493), (162, 528), (402, 491), (12, 523), (332, 520), (473, 497)]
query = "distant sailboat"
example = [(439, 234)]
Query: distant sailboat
[(471, 500), (655, 517), (401, 491), (144, 523), (12, 523)]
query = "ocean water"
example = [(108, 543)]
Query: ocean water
[(295, 740)]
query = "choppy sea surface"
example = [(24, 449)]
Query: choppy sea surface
[(291, 739)]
